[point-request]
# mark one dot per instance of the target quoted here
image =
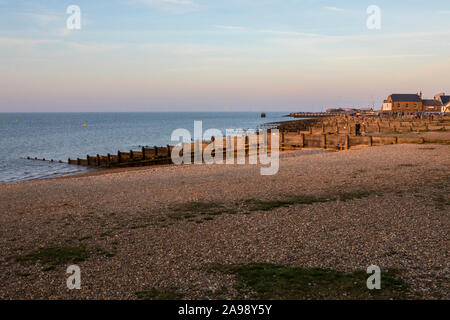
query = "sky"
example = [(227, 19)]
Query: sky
[(219, 55)]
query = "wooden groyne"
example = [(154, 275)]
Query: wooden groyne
[(144, 157), (332, 133), (368, 125)]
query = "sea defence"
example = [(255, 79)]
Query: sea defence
[(331, 133)]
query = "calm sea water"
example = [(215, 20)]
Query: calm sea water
[(59, 136)]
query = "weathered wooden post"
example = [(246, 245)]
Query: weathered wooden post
[(246, 145), (395, 139), (131, 155), (282, 140), (98, 160), (347, 142), (156, 151), (169, 154), (302, 142), (78, 161), (108, 160), (119, 157), (370, 141), (257, 142), (87, 158), (68, 160), (324, 141), (310, 129), (143, 153), (323, 128)]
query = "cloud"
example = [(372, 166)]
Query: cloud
[(334, 9), (268, 31), (42, 19), (230, 27), (171, 6), (394, 56), (182, 2), (290, 33), (175, 2)]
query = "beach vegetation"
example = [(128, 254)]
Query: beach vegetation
[(277, 282), (54, 256), (169, 293)]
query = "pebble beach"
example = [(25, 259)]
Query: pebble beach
[(141, 231)]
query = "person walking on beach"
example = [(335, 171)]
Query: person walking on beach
[(358, 129)]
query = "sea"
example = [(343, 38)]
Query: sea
[(59, 136)]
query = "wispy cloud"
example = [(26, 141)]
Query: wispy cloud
[(230, 27), (334, 9), (171, 6), (268, 31), (42, 19), (376, 57), (290, 33)]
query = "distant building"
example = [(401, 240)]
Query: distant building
[(387, 106), (403, 103), (445, 102), (350, 110), (431, 105), (413, 103)]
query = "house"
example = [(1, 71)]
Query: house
[(445, 102), (431, 105), (387, 106), (403, 103), (413, 103)]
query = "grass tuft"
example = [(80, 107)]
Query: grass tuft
[(54, 256), (269, 281), (170, 293)]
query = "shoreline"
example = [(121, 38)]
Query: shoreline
[(439, 135)]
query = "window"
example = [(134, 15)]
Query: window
[(415, 105), (398, 105), (407, 106)]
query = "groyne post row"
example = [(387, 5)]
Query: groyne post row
[(146, 156), (368, 125), (162, 155), (335, 132), (288, 140)]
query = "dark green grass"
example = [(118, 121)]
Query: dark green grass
[(170, 293), (54, 256), (191, 210), (407, 165), (267, 205), (276, 282)]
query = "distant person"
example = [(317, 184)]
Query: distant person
[(358, 129)]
